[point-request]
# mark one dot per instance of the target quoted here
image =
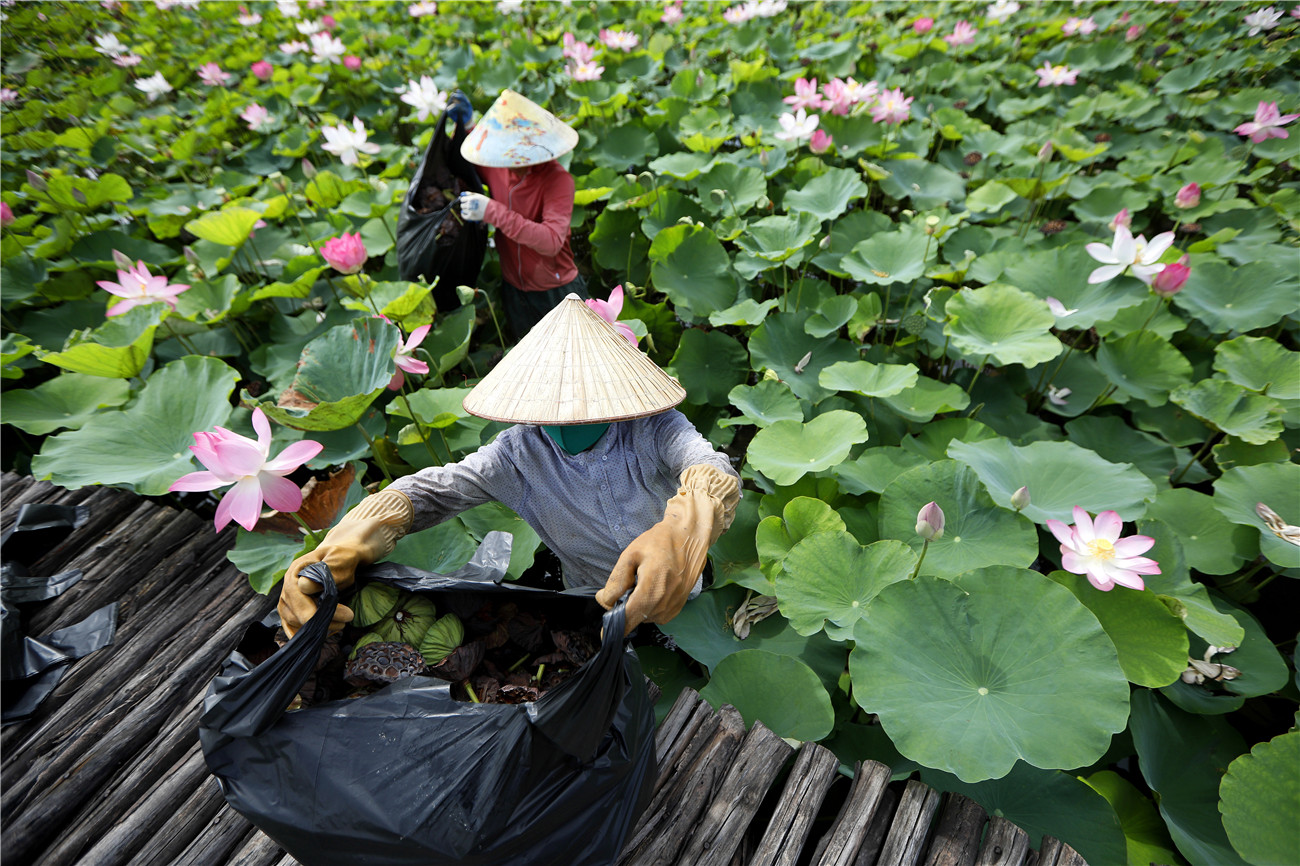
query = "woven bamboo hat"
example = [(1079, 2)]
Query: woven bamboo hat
[(573, 368), (517, 132)]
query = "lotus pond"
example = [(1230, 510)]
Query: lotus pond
[(1024, 271)]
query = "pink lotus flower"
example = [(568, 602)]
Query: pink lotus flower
[(1055, 76), (609, 310), (1134, 33), (738, 14), (962, 34), (797, 126), (8, 94), (137, 286), (126, 61), (1082, 26), (806, 96), (1123, 218), (1127, 252), (352, 62), (422, 8), (892, 107), (238, 460), (6, 216), (256, 116), (588, 71), (1188, 196), (328, 22), (405, 358), (1267, 123), (620, 39), (820, 141), (1094, 548), (578, 52), (261, 70), (249, 19), (295, 47), (1171, 278), (921, 26), (672, 14), (841, 95), (211, 75), (346, 253)]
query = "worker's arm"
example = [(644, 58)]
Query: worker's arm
[(548, 234)]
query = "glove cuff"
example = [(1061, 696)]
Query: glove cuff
[(722, 487), (384, 517)]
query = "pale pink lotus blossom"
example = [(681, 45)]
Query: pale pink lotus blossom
[(422, 8), (1134, 33), (1055, 76), (261, 70), (839, 99), (249, 19), (577, 51), (930, 522), (1094, 548), (797, 126), (238, 460), (1123, 218), (623, 40), (1261, 20), (8, 94), (425, 97), (1267, 124), (405, 358), (962, 34), (806, 96), (609, 310), (1188, 196), (1172, 278), (1001, 10), (352, 62), (212, 75), (295, 47), (768, 8), (316, 4), (1127, 252), (1081, 26), (256, 116), (136, 286), (1056, 396), (309, 27), (154, 86), (738, 14), (109, 45), (288, 8), (326, 48), (6, 215), (587, 71), (346, 253), (126, 61), (922, 26), (346, 143), (892, 107), (820, 141), (1295, 11), (672, 13)]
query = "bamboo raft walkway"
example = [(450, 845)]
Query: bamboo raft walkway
[(108, 770)]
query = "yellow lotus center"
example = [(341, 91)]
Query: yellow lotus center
[(1101, 548)]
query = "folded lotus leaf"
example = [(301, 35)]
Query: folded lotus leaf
[(408, 621), (442, 638), (374, 602)]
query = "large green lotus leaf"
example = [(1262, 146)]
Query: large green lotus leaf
[(683, 166), (1232, 409), (1003, 323), (1186, 599), (976, 534), (1263, 670), (1145, 835), (802, 516), (927, 398), (867, 379), (928, 185), (764, 404), (828, 580), (624, 145), (117, 349), (888, 257), (691, 267), (704, 631), (1046, 802), (832, 314), (787, 450), (969, 676), (781, 344), (66, 401), (1239, 490), (1144, 365), (340, 373), (618, 244), (495, 517), (875, 469), (1262, 365), (1151, 641), (799, 710), (1155, 316), (709, 364), (1257, 294), (265, 556), (1112, 438), (1211, 543), (1059, 475), (846, 233), (442, 548), (669, 208), (746, 312), (992, 197), (743, 186), (932, 441), (1056, 274), (229, 226), (145, 447), (777, 238), (448, 343), (1183, 758), (827, 196), (1261, 799)]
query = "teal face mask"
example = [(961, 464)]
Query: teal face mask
[(576, 438)]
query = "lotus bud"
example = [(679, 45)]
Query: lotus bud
[(122, 260), (646, 178), (929, 522), (1189, 196), (718, 197), (1123, 218), (1045, 152), (190, 256), (1020, 498), (824, 243), (37, 182), (629, 177), (763, 158), (763, 203), (1171, 278), (308, 170)]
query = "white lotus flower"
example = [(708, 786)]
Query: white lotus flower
[(1127, 252), (346, 143), (109, 45), (154, 86), (797, 126), (326, 48), (425, 97)]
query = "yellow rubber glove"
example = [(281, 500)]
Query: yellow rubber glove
[(366, 534), (661, 565)]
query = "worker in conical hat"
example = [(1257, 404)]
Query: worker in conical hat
[(616, 482), (515, 146)]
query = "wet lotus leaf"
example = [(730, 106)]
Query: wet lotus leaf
[(408, 621), (374, 602), (441, 639)]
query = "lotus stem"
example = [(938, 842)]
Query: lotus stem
[(424, 434), (383, 467), (540, 669), (311, 533), (970, 389), (1209, 443), (925, 545), (473, 697)]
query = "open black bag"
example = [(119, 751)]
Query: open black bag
[(423, 254), (409, 775)]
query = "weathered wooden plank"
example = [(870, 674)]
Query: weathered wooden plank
[(879, 827), (672, 726), (173, 836), (1005, 844), (670, 818), (805, 789), (288, 861), (840, 845), (258, 849), (107, 507), (722, 826), (700, 716), (12, 485), (1054, 852), (956, 839), (216, 842), (911, 826)]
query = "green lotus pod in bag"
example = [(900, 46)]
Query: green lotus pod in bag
[(441, 639), (374, 602), (408, 621)]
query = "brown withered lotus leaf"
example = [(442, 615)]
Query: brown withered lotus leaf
[(511, 694), (577, 646), (527, 630), (461, 663)]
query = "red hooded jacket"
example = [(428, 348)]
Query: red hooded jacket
[(532, 216)]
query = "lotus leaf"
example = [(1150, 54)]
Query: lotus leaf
[(441, 548), (691, 267), (373, 602), (229, 226), (927, 185), (876, 468), (408, 621), (888, 257), (831, 315), (828, 580), (787, 450), (1055, 274), (827, 196), (802, 516), (493, 516), (746, 312), (1260, 794), (867, 379), (1145, 835), (741, 188), (264, 556), (1211, 543), (763, 404), (1232, 409), (799, 710), (1002, 323), (67, 401), (776, 239), (933, 439), (1116, 441), (927, 398), (973, 675), (709, 364), (1235, 299), (441, 639), (629, 144), (1261, 365), (117, 349), (781, 344), (990, 197)]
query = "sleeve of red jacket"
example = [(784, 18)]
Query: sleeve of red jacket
[(546, 236)]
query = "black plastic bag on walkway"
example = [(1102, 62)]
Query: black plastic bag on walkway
[(409, 775), (433, 242)]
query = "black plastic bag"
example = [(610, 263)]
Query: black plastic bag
[(426, 251), (408, 775)]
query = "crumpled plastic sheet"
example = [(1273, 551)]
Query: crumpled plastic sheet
[(31, 667)]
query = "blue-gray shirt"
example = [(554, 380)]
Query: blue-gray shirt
[(586, 507)]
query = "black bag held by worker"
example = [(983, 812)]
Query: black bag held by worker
[(433, 242), (409, 775)]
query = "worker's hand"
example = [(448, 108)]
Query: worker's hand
[(459, 109), (366, 534), (473, 206)]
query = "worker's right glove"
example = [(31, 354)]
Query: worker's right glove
[(365, 535), (459, 109), (473, 206)]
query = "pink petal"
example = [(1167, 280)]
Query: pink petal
[(1074, 563), (615, 301), (411, 365), (1062, 532), (196, 481), (1098, 577), (280, 493), (1126, 578), (113, 288), (292, 457), (1133, 545), (122, 306), (1108, 526), (238, 458), (1138, 565), (395, 383), (242, 503), (1083, 525), (417, 337), (263, 428)]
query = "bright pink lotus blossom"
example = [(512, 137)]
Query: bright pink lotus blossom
[(842, 95), (346, 254), (623, 40), (1082, 26), (921, 26), (262, 70), (1123, 218), (1127, 252), (1171, 279), (578, 52), (212, 75), (1188, 196), (1055, 76), (328, 22), (405, 358), (6, 215), (609, 310), (892, 107), (238, 460), (352, 62), (137, 286), (1267, 123), (806, 96), (1134, 33), (962, 34), (1094, 548), (820, 141)]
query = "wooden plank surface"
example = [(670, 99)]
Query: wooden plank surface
[(957, 836), (815, 769), (911, 827), (839, 847), (1005, 844)]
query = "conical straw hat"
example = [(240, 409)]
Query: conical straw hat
[(573, 368), (517, 132)]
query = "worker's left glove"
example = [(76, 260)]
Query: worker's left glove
[(473, 206), (663, 563), (459, 109)]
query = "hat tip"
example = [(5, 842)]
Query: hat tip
[(572, 296)]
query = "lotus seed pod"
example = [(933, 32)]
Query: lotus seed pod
[(914, 324)]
